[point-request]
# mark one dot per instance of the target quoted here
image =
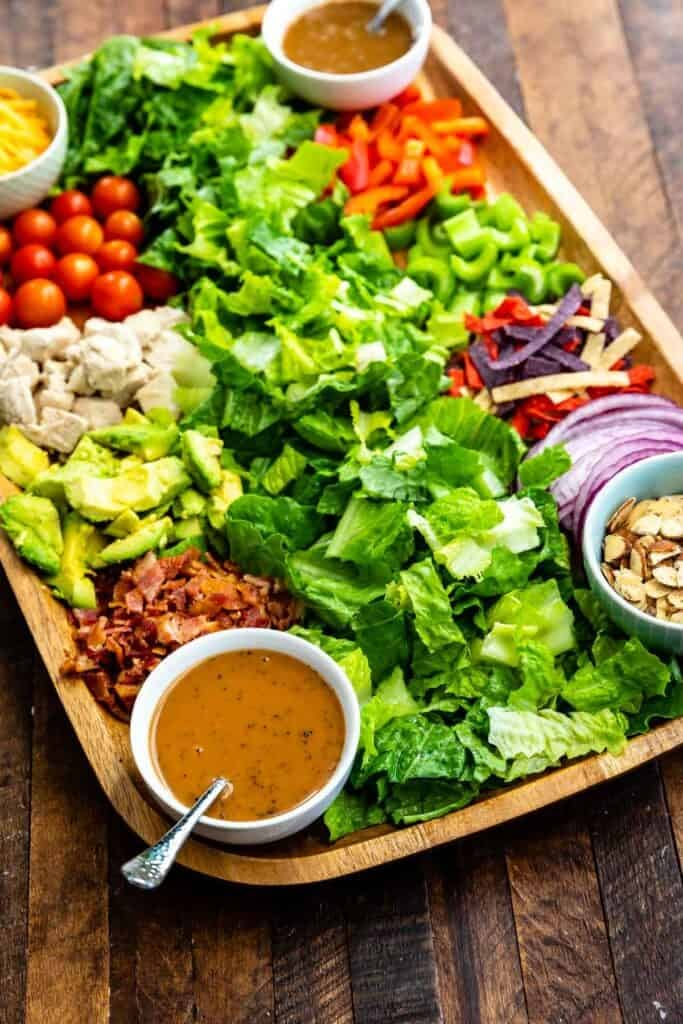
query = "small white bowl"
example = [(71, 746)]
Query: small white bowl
[(359, 91), (30, 184), (168, 671)]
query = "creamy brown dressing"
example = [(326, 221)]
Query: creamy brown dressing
[(262, 719), (333, 38)]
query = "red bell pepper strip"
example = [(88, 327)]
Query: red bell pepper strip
[(435, 110), (358, 129), (385, 118), (411, 94), (462, 126), (457, 376), (520, 422), (467, 178), (356, 171), (380, 173), (413, 127), (388, 146), (642, 374), (370, 200), (472, 378), (408, 209)]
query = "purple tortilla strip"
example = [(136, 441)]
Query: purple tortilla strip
[(538, 337)]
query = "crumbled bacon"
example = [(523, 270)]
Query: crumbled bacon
[(150, 609)]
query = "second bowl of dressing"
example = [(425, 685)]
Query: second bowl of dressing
[(269, 711)]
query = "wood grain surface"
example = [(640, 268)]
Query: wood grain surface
[(574, 914)]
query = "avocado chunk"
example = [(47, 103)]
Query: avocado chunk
[(82, 544), (162, 417), (188, 528), (132, 415), (20, 459), (32, 524), (86, 458), (189, 504), (125, 523), (148, 440), (147, 538), (201, 455), (138, 488), (222, 497)]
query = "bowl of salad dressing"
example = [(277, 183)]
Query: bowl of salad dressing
[(269, 711), (325, 53)]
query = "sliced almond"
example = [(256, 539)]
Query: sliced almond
[(672, 526), (637, 562), (621, 515), (649, 523), (676, 617), (662, 608), (615, 548), (629, 586), (655, 589), (608, 573), (666, 574), (675, 598), (663, 551), (647, 541)]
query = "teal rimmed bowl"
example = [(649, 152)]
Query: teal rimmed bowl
[(654, 477)]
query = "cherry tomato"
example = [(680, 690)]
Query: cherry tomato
[(71, 203), (79, 234), (5, 306), (116, 295), (39, 303), (156, 284), (75, 275), (116, 255), (126, 225), (113, 193), (32, 261), (5, 246), (34, 226)]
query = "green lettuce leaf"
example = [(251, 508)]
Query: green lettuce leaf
[(541, 470), (422, 592)]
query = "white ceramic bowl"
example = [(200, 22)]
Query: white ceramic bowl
[(185, 658), (347, 92), (30, 184)]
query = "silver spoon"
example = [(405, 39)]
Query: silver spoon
[(388, 7), (149, 868)]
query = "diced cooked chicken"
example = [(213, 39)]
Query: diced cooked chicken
[(158, 393), (168, 316), (119, 331), (16, 401), (55, 399), (77, 381), (108, 360), (146, 324), (98, 412), (9, 337), (135, 379), (59, 430), (167, 350), (42, 343), (19, 365)]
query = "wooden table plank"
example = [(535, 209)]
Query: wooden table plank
[(310, 956), (565, 953), (68, 938), (642, 892), (391, 950), (16, 696), (477, 958)]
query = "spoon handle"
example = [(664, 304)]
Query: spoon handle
[(375, 24), (149, 868)]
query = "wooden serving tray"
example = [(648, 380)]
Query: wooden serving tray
[(518, 163)]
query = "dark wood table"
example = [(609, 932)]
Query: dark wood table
[(572, 915)]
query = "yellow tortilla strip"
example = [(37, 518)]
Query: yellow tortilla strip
[(593, 349), (619, 348), (559, 382), (590, 284), (586, 323), (602, 296)]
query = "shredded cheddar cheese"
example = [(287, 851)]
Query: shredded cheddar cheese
[(24, 133)]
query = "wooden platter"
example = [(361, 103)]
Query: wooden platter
[(517, 163)]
